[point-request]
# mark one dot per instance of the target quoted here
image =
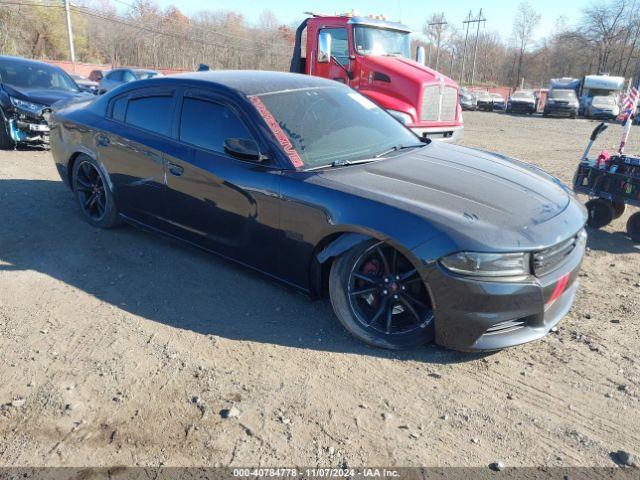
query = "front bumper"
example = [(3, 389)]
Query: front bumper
[(518, 107), (27, 128), (483, 314), (560, 110), (445, 134)]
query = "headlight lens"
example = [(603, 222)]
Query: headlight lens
[(28, 106), (405, 118), (488, 264)]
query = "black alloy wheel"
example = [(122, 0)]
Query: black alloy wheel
[(380, 297), (93, 194), (90, 191)]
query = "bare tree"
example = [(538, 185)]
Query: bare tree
[(524, 24)]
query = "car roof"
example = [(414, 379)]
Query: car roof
[(26, 61), (255, 82)]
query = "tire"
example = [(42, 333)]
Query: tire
[(6, 142), (601, 213), (633, 227), (93, 193), (618, 209), (394, 315)]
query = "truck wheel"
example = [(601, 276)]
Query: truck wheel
[(6, 142), (380, 298), (633, 227), (601, 213)]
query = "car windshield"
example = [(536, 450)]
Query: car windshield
[(522, 96), (333, 125), (483, 95), (22, 74), (144, 74), (563, 94), (378, 41), (496, 96)]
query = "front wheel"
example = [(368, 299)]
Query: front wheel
[(380, 298)]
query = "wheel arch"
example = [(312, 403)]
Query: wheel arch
[(74, 157), (334, 244)]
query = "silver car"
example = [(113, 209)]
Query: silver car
[(602, 106), (116, 77)]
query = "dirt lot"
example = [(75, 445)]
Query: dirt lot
[(120, 347)]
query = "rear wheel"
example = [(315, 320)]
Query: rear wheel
[(6, 142), (380, 298), (93, 193), (601, 213), (633, 227)]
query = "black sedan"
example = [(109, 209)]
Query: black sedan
[(27, 91), (311, 183)]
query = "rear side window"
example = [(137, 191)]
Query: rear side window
[(207, 124), (151, 113), (119, 108)]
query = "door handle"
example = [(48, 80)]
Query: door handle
[(103, 140), (174, 169)]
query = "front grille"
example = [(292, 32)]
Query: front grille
[(548, 260), (430, 106), (449, 105)]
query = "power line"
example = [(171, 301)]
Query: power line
[(198, 27), (116, 19)]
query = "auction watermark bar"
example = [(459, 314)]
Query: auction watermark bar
[(395, 473)]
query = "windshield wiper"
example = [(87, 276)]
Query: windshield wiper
[(397, 148), (341, 163)]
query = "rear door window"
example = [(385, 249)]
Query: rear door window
[(119, 108), (151, 113), (206, 124)]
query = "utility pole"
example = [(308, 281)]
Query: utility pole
[(479, 20), (440, 21), (72, 52), (464, 49)]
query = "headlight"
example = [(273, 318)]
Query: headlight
[(405, 118), (488, 264), (28, 106)]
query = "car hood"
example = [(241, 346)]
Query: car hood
[(481, 200), (41, 95)]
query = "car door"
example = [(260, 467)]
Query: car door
[(217, 201), (134, 135), (339, 52)]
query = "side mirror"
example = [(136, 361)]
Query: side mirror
[(324, 47), (243, 148), (420, 55)]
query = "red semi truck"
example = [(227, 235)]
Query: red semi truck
[(373, 56)]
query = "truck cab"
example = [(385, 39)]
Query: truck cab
[(373, 56)]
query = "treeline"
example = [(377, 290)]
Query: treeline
[(605, 38), (143, 34)]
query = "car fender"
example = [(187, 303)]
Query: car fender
[(340, 245)]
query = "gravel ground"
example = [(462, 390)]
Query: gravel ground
[(122, 348)]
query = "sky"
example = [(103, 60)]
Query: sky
[(499, 14)]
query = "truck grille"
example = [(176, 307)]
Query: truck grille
[(439, 104), (548, 260)]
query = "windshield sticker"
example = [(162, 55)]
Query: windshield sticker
[(282, 138), (365, 102)]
